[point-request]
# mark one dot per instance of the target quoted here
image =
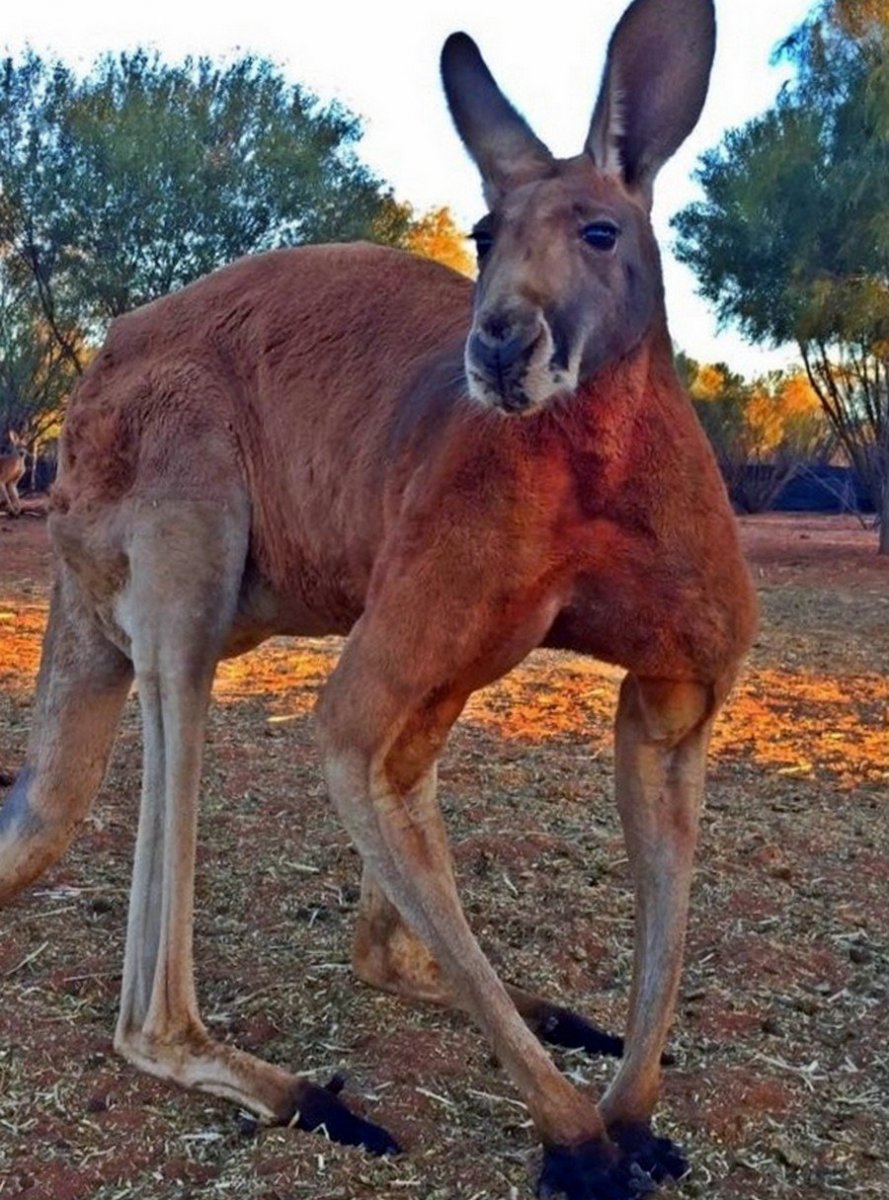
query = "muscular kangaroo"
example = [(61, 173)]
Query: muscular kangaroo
[(345, 439)]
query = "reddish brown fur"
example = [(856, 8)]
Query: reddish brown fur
[(613, 501), (221, 360)]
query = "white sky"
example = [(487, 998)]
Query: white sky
[(381, 60)]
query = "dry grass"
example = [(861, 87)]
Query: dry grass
[(781, 1088)]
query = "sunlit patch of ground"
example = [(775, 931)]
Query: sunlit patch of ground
[(795, 723), (781, 1085), (836, 729)]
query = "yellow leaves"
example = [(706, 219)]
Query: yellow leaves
[(797, 397), (778, 412), (858, 17), (710, 382), (788, 412), (765, 420), (435, 235)]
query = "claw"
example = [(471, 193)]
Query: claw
[(592, 1170), (318, 1108), (562, 1027), (246, 1124), (657, 1157)]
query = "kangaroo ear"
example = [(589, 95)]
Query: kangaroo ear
[(505, 150), (653, 89)]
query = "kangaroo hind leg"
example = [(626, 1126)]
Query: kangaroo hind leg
[(186, 567), (81, 688), (14, 500), (662, 732), (389, 955)]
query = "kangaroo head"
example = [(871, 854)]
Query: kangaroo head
[(569, 271)]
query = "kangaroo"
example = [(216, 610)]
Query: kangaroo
[(349, 440), (12, 468)]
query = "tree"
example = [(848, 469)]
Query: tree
[(137, 179), (435, 235), (762, 432), (792, 238), (35, 374)]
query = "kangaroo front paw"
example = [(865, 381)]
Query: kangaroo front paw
[(657, 1156), (318, 1108), (592, 1170)]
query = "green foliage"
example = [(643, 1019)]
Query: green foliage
[(35, 374), (751, 240), (143, 176), (139, 178), (791, 240)]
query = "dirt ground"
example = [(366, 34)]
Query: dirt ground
[(781, 1085)]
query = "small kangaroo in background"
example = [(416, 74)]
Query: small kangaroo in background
[(349, 440), (12, 468)]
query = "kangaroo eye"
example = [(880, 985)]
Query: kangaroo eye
[(601, 235), (484, 240)]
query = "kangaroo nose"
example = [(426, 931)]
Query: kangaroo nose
[(495, 354), (498, 354)]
